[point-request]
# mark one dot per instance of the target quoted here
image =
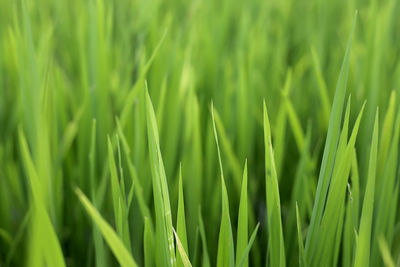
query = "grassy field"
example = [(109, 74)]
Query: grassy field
[(199, 133)]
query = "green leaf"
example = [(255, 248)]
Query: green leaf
[(362, 254), (274, 221), (148, 243), (116, 245), (181, 224), (242, 232), (164, 235), (182, 253), (328, 157), (49, 243), (225, 256), (248, 247), (302, 256)]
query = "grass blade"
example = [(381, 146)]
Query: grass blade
[(276, 243), (362, 253), (116, 245)]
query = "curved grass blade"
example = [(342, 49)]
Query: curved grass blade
[(116, 245)]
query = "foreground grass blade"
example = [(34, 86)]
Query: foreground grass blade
[(181, 225), (49, 242), (302, 256), (248, 247), (362, 253), (182, 252), (242, 233), (330, 148), (116, 245), (164, 235), (225, 255), (276, 243)]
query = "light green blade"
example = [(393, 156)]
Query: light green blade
[(362, 253), (242, 232), (225, 256), (164, 235), (50, 246), (274, 221), (181, 225), (330, 149)]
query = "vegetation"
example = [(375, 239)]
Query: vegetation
[(199, 133)]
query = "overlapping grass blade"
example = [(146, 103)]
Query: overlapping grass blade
[(164, 235), (329, 150), (362, 254), (49, 244), (114, 242), (242, 232), (274, 221), (225, 256), (181, 226)]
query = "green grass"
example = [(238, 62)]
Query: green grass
[(199, 133)]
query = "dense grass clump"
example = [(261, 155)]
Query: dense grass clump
[(199, 133)]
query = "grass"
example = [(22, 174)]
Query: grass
[(199, 133)]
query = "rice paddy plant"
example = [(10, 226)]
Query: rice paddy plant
[(199, 133)]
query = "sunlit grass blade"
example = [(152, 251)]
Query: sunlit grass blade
[(242, 233), (248, 247), (114, 242), (225, 256), (182, 252), (49, 243), (333, 214), (330, 148), (274, 221), (362, 254), (119, 198), (181, 225)]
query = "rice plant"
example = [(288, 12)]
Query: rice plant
[(199, 133)]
